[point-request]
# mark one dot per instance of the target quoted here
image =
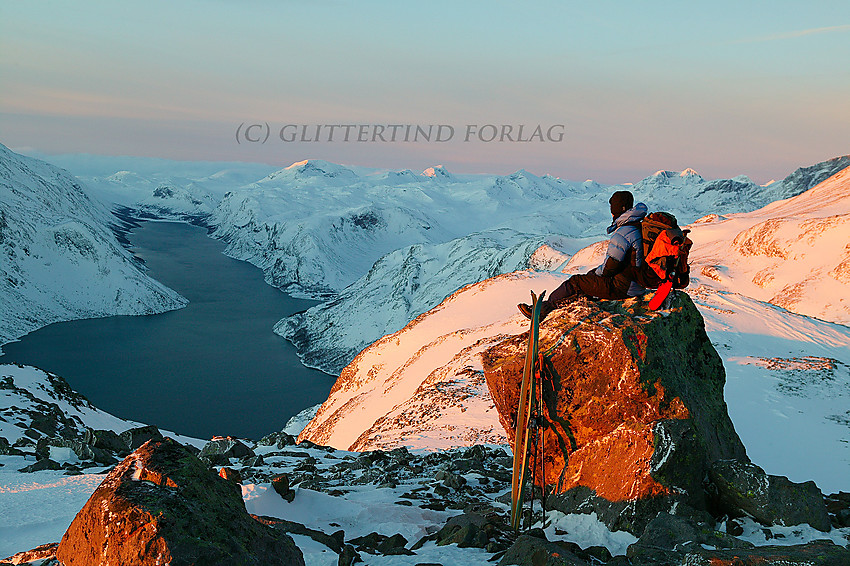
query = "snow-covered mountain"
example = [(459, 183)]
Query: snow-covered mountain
[(58, 258), (793, 253), (569, 215), (159, 187), (443, 250), (373, 241), (316, 227), (423, 386)]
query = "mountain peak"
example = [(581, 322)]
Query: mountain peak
[(664, 173), (436, 171), (671, 174), (313, 169)]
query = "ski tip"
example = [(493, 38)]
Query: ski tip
[(661, 294)]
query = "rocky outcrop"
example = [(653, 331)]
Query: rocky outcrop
[(634, 412), (51, 418), (163, 505), (221, 449), (742, 488), (689, 553), (667, 538)]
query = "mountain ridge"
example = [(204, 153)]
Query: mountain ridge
[(61, 261)]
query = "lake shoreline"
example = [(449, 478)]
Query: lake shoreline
[(236, 370)]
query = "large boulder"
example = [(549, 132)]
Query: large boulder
[(634, 411), (162, 505), (667, 538), (742, 488), (221, 449)]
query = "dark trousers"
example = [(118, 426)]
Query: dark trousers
[(591, 285)]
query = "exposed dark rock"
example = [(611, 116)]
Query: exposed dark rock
[(161, 505), (33, 433), (476, 530), (43, 464), (450, 479), (310, 444), (744, 488), (252, 461), (634, 410), (23, 442), (80, 446), (278, 439), (280, 483), (816, 553), (283, 525), (135, 437), (376, 543), (734, 528), (348, 556), (109, 440), (394, 545), (838, 506), (466, 531), (7, 450), (230, 475), (533, 551), (667, 538), (220, 450)]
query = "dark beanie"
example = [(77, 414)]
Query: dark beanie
[(621, 201)]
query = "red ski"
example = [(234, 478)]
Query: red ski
[(662, 292)]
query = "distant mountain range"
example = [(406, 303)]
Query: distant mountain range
[(382, 246)]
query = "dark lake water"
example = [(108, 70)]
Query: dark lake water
[(212, 368)]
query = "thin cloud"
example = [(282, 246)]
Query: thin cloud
[(793, 34)]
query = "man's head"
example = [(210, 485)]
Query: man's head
[(620, 202)]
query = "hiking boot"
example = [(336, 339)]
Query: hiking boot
[(526, 310)]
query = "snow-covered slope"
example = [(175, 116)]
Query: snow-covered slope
[(788, 380), (423, 386), (793, 253), (37, 507), (27, 391), (404, 284), (689, 196), (787, 388), (58, 258)]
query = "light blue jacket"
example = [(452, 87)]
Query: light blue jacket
[(625, 237)]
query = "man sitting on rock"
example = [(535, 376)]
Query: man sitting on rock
[(617, 277)]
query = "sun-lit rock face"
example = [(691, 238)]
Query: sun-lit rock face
[(162, 505), (634, 408)]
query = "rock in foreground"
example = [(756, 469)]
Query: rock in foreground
[(634, 409), (162, 505)]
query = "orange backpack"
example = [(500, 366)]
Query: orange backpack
[(666, 247)]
